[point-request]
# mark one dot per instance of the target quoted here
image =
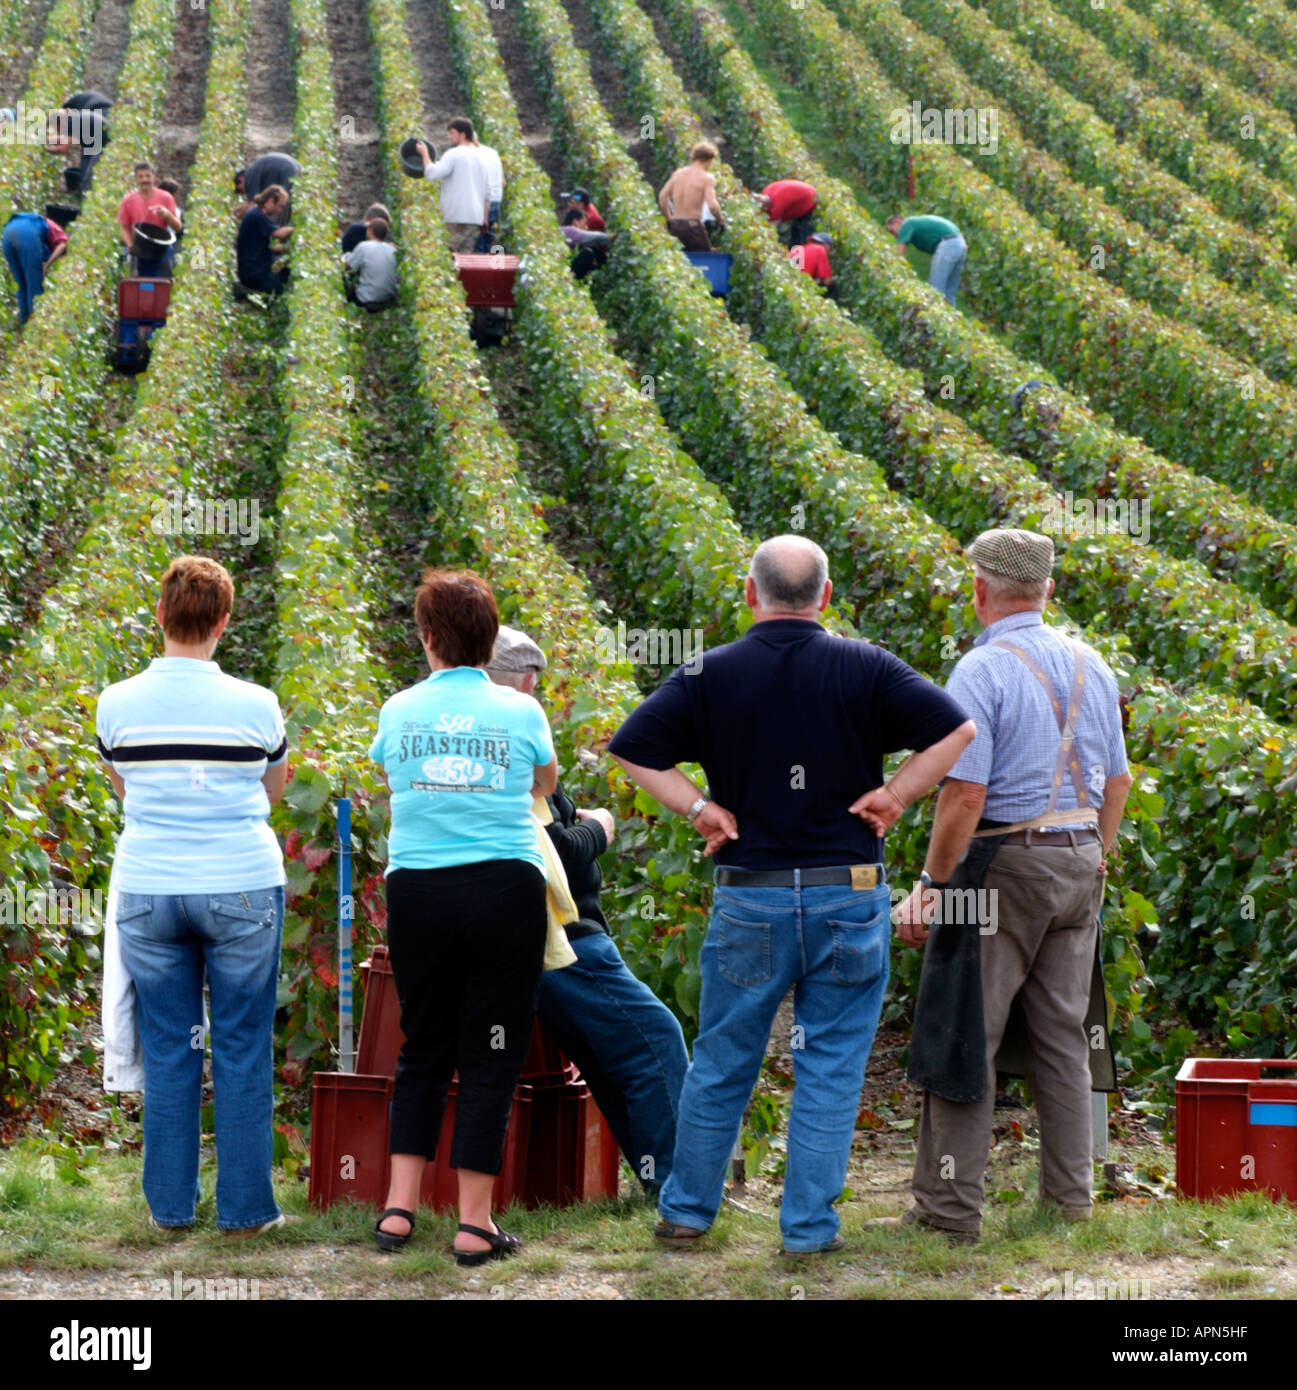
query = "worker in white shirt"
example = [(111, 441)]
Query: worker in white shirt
[(494, 193), (465, 186)]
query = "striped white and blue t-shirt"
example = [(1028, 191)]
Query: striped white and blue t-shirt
[(192, 745)]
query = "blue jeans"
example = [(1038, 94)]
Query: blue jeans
[(947, 266), (831, 944), (24, 250), (487, 239), (167, 943), (629, 1047), (159, 269)]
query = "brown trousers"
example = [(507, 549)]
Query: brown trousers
[(463, 236), (1042, 949), (690, 232)]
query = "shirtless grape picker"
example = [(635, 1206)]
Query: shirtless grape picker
[(686, 193)]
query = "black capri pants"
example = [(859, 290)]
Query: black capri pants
[(467, 945)]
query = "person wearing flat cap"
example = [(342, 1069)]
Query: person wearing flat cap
[(1026, 817), (627, 1043)]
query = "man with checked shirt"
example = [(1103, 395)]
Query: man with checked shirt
[(1027, 687)]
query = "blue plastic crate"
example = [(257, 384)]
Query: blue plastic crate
[(715, 266)]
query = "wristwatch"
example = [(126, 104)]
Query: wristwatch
[(696, 809), (926, 881)]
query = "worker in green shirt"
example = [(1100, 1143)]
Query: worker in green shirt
[(938, 238)]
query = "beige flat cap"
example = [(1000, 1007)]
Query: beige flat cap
[(515, 651), (1021, 555)]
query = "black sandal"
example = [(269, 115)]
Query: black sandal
[(502, 1245), (389, 1240)]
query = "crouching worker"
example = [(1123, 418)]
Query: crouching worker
[(812, 257), (591, 247), (626, 1042), (374, 261), (259, 235)]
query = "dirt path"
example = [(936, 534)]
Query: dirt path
[(272, 98), (430, 49), (182, 113), (534, 118), (112, 31), (699, 104), (13, 73), (612, 94), (360, 172)]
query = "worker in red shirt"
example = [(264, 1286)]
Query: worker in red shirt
[(787, 200), (146, 202), (813, 257)]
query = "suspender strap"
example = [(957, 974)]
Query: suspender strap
[(1068, 758)]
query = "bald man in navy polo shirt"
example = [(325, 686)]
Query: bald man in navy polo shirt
[(791, 725)]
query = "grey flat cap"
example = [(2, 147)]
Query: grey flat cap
[(1021, 555), (515, 651)]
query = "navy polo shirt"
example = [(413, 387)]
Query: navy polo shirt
[(791, 725), (253, 246)]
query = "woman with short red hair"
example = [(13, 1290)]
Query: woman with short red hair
[(466, 905), (198, 758)]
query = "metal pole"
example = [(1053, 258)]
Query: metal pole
[(1099, 1126), (346, 909)]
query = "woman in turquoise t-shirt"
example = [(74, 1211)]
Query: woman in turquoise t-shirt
[(466, 907)]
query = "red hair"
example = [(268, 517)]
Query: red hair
[(456, 614), (196, 594)]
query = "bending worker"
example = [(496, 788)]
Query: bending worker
[(938, 238), (32, 244), (790, 200)]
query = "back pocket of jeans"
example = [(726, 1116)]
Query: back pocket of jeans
[(132, 905), (860, 950), (743, 950), (257, 906)]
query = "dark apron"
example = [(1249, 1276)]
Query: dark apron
[(948, 1041)]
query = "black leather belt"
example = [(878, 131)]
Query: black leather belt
[(857, 875)]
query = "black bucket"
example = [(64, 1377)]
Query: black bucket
[(62, 213), (152, 240), (410, 160)]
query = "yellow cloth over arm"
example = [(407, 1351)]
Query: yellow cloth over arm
[(559, 905)]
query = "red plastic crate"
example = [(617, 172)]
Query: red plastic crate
[(350, 1115), (578, 1158), (143, 297), (349, 1119), (572, 1155), (1236, 1128), (546, 1065), (379, 1044), (487, 280)]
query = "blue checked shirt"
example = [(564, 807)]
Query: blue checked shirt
[(1016, 748)]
